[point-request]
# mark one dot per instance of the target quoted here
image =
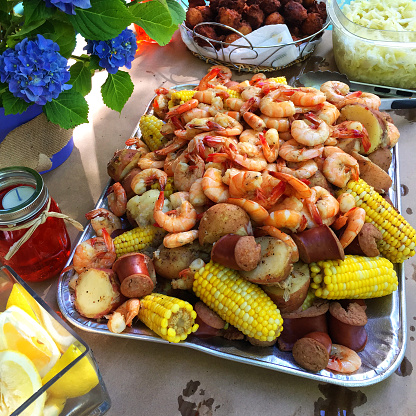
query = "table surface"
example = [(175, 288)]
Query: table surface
[(154, 379)]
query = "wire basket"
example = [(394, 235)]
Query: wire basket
[(246, 56)]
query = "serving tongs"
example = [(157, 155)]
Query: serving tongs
[(400, 98)]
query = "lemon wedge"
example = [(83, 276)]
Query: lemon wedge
[(77, 381), (59, 334), (21, 298), (19, 379), (20, 332), (53, 406)]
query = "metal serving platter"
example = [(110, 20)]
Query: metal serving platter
[(386, 325)]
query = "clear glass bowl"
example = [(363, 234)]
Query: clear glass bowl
[(382, 57), (97, 401)]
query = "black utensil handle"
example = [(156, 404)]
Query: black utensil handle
[(403, 104)]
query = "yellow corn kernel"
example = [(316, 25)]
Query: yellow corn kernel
[(239, 302), (356, 277), (171, 318), (169, 187), (180, 97), (150, 128), (395, 229)]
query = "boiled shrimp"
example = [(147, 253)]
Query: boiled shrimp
[(346, 202), (234, 103), (103, 218), (186, 173), (279, 123), (277, 104), (196, 194), (366, 98), (287, 239), (339, 168), (343, 359), (208, 95), (311, 134), (123, 316), (182, 108), (96, 252), (177, 198), (242, 184), (270, 145), (290, 219), (355, 219), (328, 112), (142, 180), (292, 151), (213, 186), (254, 121), (256, 212), (251, 105), (204, 83), (173, 240), (322, 205), (151, 160), (195, 113), (307, 97), (303, 170), (337, 92), (250, 92), (172, 146), (297, 187), (230, 126), (138, 144), (182, 219), (117, 199), (352, 129), (249, 136)]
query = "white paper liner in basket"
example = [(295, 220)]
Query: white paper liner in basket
[(266, 46)]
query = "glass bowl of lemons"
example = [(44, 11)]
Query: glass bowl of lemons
[(45, 368)]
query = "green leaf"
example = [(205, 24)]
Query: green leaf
[(155, 20), (13, 105), (63, 34), (70, 109), (177, 12), (116, 90), (80, 77), (105, 20), (95, 63), (36, 10)]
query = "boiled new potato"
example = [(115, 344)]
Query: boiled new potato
[(275, 264), (222, 219)]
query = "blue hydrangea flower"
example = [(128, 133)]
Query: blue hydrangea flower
[(35, 70), (68, 6), (116, 52)]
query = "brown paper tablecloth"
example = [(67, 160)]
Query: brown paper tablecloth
[(145, 378)]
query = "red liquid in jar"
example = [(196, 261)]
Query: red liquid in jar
[(46, 252)]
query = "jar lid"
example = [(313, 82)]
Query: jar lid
[(21, 175)]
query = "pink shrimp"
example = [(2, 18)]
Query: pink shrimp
[(196, 194), (229, 125), (142, 180), (96, 252), (339, 168), (172, 146), (343, 359), (287, 239), (255, 163), (312, 134), (287, 218), (151, 160), (204, 83), (276, 104), (352, 129), (355, 219), (302, 170), (117, 199), (254, 121), (103, 218), (186, 173), (213, 187), (123, 316), (182, 219), (182, 108), (173, 240), (256, 212), (279, 123), (270, 144), (297, 188), (338, 93), (292, 151)]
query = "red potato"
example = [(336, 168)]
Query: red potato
[(122, 163), (136, 274), (275, 264), (318, 243), (126, 182), (289, 294), (236, 252), (97, 293)]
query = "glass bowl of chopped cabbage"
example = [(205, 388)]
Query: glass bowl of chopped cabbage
[(375, 41), (45, 367)]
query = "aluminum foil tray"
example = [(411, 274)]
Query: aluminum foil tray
[(386, 325)]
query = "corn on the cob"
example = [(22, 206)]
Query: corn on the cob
[(180, 97), (150, 127), (171, 318), (233, 94), (399, 237), (136, 239), (356, 277), (310, 297), (237, 301), (169, 187), (279, 80)]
